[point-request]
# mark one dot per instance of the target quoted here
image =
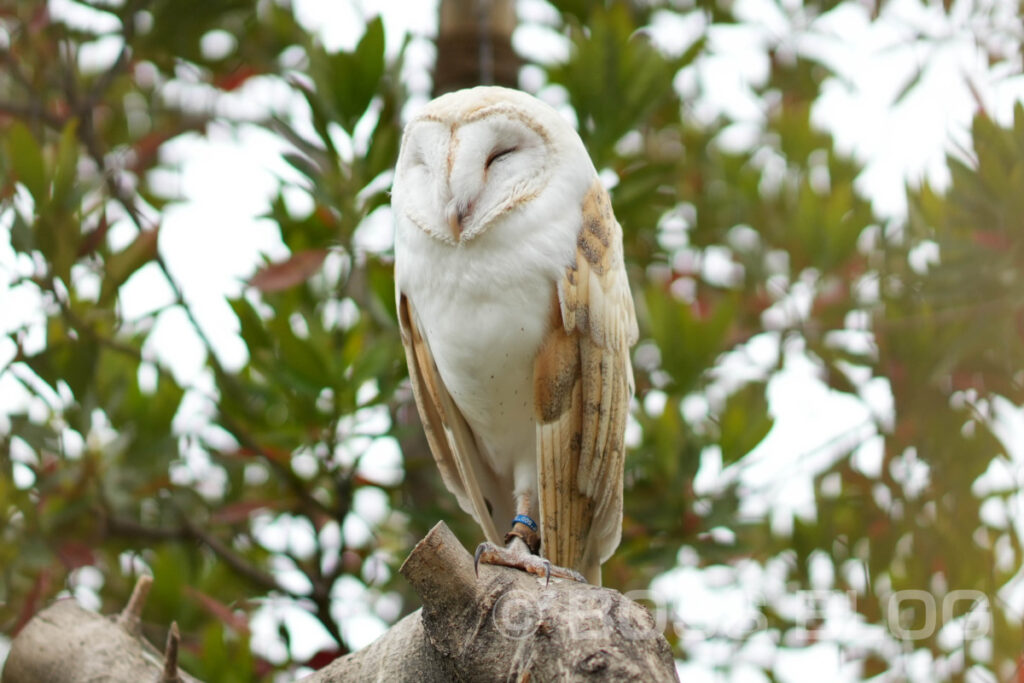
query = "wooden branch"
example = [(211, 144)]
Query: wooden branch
[(503, 625), (189, 530), (506, 625)]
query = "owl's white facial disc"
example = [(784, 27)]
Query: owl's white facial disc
[(465, 165)]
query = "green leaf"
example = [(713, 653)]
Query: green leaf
[(304, 165), (383, 150), (318, 98), (615, 77), (65, 172), (253, 329), (744, 422), (355, 76), (71, 359), (22, 239), (381, 277), (689, 337), (668, 432), (370, 54), (27, 161), (57, 235), (39, 437), (125, 263), (299, 364), (577, 9)]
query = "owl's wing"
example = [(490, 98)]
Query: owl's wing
[(583, 383), (450, 437)]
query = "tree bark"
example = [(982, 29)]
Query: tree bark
[(474, 45), (503, 625)]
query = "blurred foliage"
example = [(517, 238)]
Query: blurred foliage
[(99, 473)]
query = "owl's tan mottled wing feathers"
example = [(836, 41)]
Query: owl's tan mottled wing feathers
[(583, 384), (450, 438)]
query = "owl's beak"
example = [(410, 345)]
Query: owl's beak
[(456, 213)]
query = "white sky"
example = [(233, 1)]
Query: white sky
[(214, 239)]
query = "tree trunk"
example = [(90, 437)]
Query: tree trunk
[(474, 45), (503, 625)]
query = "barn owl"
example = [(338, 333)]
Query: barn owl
[(516, 318)]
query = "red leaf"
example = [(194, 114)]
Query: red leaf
[(94, 238), (324, 214), (834, 294), (236, 78), (227, 616), (261, 667), (268, 452), (360, 480), (239, 512), (275, 277), (759, 301), (992, 239), (967, 380), (351, 561), (40, 19), (40, 587), (701, 307), (147, 147), (878, 528), (75, 554), (323, 658)]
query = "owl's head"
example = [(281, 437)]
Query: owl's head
[(474, 156)]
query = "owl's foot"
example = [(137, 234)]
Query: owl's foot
[(516, 557), (522, 551)]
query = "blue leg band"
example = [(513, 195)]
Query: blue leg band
[(526, 521)]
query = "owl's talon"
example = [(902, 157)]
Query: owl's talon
[(547, 573), (476, 558)]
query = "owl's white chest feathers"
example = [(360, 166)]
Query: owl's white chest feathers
[(484, 307)]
